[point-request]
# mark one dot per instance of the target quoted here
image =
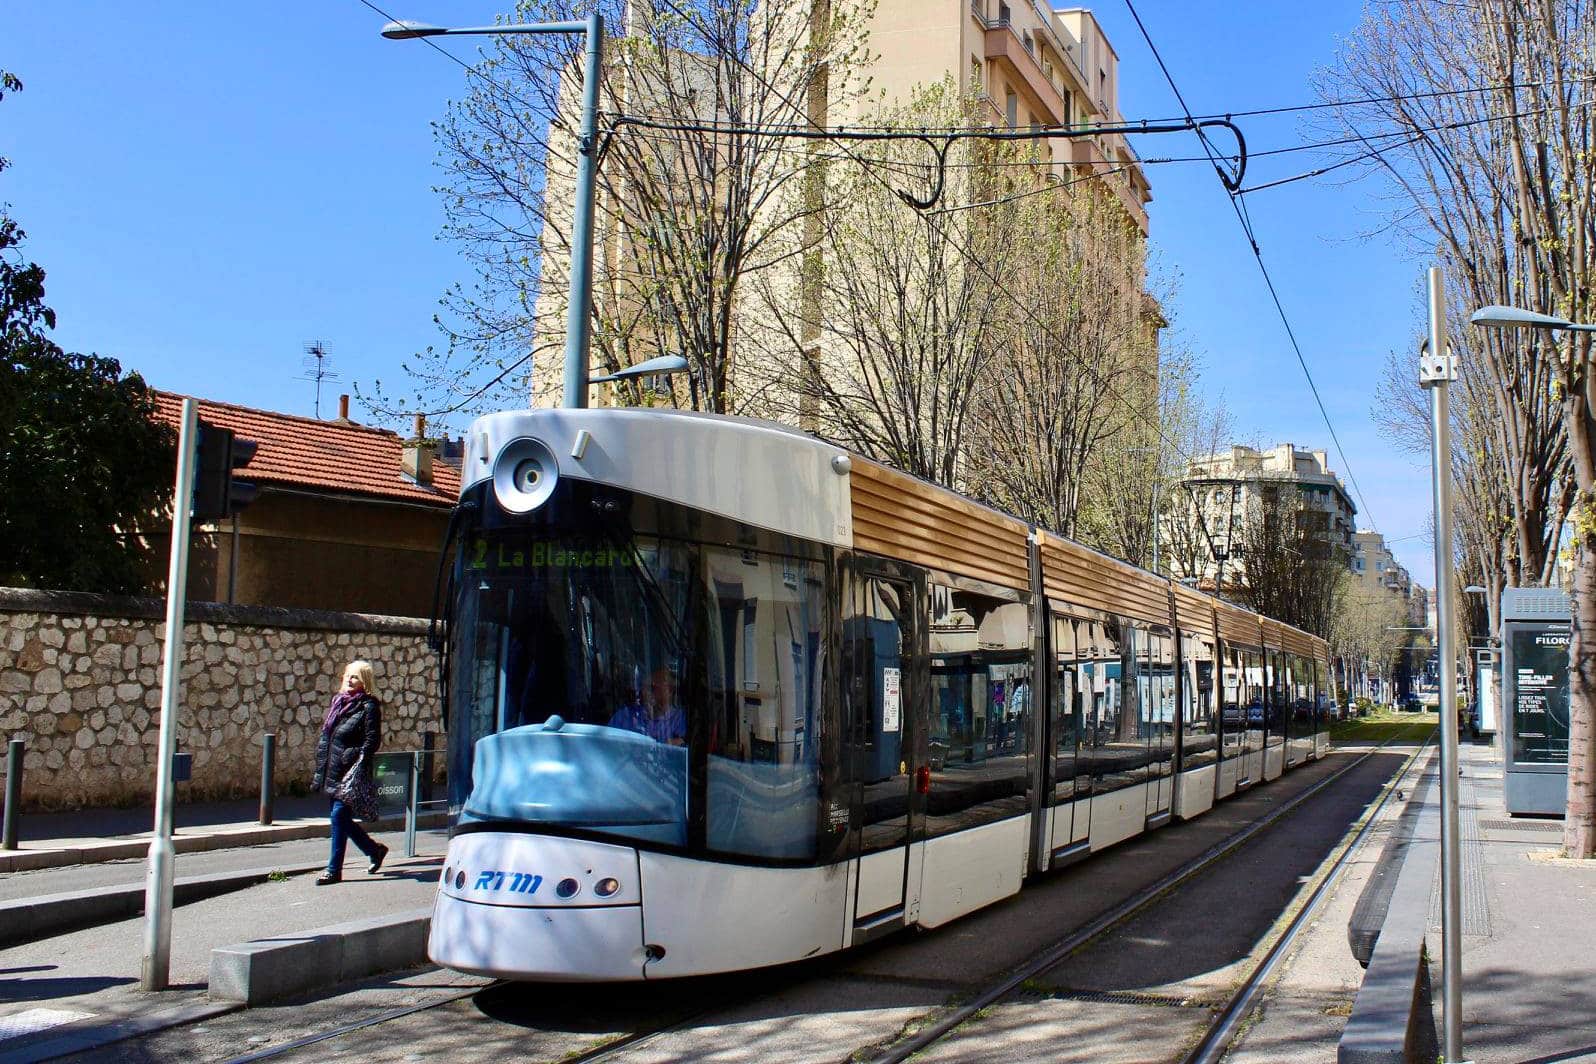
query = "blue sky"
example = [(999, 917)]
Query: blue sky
[(208, 190)]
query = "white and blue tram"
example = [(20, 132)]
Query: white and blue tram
[(722, 695)]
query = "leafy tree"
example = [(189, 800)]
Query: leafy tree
[(82, 459)]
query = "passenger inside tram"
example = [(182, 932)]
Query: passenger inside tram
[(656, 713)]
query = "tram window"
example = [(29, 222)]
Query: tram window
[(1278, 698), (654, 654), (1234, 711), (1158, 703), (1119, 742), (1299, 689), (1071, 775), (980, 708), (1255, 698), (1199, 738), (763, 707)]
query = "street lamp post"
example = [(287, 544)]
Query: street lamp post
[(578, 320), (1437, 370)]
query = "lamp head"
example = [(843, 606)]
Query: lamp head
[(1499, 317), (405, 29), (654, 367)]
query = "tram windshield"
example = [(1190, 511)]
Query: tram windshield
[(641, 685)]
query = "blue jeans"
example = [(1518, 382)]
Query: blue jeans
[(345, 828)]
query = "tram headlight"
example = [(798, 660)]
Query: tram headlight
[(524, 475), (567, 888), (607, 888)]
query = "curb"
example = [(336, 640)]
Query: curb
[(229, 837), (1391, 1019), (31, 919), (267, 970)]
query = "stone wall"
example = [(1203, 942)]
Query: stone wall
[(80, 682)]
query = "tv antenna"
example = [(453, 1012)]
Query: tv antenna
[(317, 367)]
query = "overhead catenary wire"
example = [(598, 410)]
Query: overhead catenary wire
[(1238, 205)]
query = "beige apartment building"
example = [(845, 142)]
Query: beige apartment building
[(1032, 65), (1223, 493)]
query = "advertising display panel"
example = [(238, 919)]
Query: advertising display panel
[(1540, 695), (1534, 700)]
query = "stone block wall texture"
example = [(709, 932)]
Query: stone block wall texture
[(80, 682)]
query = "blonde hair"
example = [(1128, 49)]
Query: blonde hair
[(361, 668)]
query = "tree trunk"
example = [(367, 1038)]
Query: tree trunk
[(1579, 829)]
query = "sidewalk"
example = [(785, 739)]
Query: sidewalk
[(51, 840), (90, 977), (1529, 983)]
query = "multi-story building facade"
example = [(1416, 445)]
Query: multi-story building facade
[(1033, 65), (1224, 491), (1374, 564)]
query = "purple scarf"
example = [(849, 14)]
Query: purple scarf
[(342, 703)]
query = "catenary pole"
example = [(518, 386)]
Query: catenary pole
[(578, 316), (1437, 369), (162, 858)]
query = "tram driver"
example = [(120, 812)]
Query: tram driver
[(656, 713)]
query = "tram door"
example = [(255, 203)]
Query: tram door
[(884, 666)]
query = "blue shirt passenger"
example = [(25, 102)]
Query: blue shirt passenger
[(656, 715)]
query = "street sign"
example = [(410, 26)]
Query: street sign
[(393, 783)]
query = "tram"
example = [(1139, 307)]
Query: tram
[(723, 696)]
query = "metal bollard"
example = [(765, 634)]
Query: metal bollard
[(410, 806), (268, 768), (8, 835), (428, 746)]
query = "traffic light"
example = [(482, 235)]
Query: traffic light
[(216, 493)]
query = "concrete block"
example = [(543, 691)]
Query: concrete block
[(272, 969), (254, 973)]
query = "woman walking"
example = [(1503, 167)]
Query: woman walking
[(346, 765)]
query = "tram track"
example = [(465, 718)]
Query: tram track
[(938, 1024), (1221, 1032)]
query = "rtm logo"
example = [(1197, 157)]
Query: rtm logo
[(519, 882)]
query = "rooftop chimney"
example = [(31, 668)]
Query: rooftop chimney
[(343, 407), (416, 459)]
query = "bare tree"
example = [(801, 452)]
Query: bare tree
[(1485, 130), (690, 204), (1081, 369), (1292, 572), (911, 317)]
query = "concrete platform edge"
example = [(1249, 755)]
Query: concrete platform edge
[(32, 919), (223, 838), (1392, 1021), (266, 970)]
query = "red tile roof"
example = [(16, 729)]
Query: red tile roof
[(306, 453)]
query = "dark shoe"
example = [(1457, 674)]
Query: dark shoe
[(329, 878), (376, 862)]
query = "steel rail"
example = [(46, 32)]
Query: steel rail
[(934, 1032), (369, 1021), (1222, 1031)]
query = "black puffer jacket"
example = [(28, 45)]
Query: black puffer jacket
[(357, 732)]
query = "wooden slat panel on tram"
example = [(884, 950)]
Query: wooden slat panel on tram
[(1194, 610), (1237, 625), (1074, 574), (897, 516)]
